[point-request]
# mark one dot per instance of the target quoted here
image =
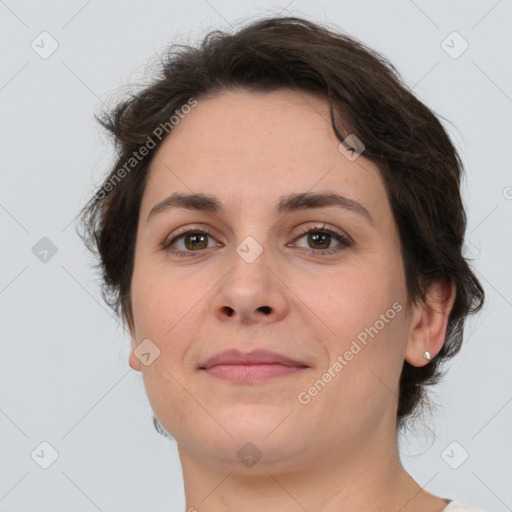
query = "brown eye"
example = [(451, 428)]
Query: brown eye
[(196, 241), (191, 241), (319, 240)]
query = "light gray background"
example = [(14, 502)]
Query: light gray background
[(64, 375)]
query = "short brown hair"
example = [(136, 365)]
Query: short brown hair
[(419, 164)]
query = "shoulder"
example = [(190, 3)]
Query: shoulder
[(459, 507)]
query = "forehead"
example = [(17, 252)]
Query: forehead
[(282, 124), (253, 146)]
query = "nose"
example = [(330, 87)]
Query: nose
[(251, 292)]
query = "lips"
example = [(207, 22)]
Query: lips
[(255, 357), (250, 367)]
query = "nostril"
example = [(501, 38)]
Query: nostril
[(265, 309), (229, 311)]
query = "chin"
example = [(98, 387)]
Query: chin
[(245, 453)]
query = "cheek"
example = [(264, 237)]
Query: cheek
[(352, 299), (364, 310), (163, 309), (161, 299)]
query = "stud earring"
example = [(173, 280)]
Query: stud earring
[(426, 355)]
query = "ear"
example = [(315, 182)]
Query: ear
[(429, 321), (134, 362)]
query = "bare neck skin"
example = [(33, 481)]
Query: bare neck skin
[(367, 475)]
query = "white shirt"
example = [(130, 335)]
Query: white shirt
[(453, 506)]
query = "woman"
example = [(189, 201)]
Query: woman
[(282, 234)]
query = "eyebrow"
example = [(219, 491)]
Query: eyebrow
[(286, 204)]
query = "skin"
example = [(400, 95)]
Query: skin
[(338, 452)]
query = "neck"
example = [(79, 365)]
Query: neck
[(367, 475)]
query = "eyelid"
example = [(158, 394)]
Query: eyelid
[(325, 228)]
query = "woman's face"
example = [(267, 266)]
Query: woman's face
[(257, 280)]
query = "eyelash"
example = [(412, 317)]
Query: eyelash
[(343, 239)]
